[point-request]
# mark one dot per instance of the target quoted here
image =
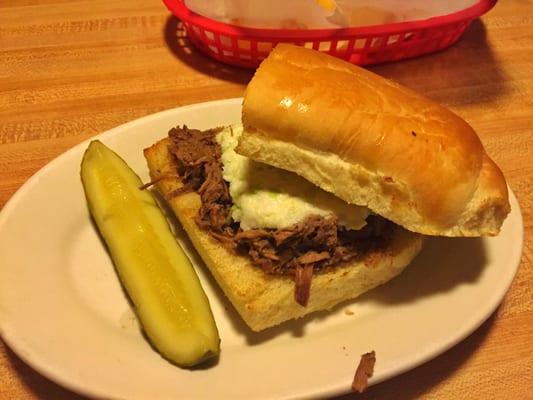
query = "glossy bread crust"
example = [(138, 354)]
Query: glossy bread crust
[(372, 142)]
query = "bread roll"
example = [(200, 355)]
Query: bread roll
[(372, 142), (262, 299)]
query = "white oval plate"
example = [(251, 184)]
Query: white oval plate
[(62, 309)]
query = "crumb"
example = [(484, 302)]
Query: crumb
[(348, 312), (365, 370)]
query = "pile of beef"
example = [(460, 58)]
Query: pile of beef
[(317, 243)]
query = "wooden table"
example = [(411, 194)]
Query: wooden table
[(72, 69)]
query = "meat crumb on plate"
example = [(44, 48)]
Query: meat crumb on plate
[(365, 370)]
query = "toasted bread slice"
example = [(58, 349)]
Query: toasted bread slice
[(264, 300)]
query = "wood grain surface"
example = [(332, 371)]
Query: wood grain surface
[(72, 69)]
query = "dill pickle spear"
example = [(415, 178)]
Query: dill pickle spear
[(157, 275)]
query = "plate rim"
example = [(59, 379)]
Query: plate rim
[(8, 333)]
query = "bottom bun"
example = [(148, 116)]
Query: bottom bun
[(264, 300)]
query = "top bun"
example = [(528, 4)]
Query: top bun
[(372, 142)]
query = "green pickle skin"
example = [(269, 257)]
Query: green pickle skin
[(161, 282)]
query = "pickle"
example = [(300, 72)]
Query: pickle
[(169, 301)]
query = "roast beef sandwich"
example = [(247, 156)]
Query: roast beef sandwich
[(326, 188)]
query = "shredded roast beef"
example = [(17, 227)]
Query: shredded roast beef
[(197, 154), (364, 371), (315, 244)]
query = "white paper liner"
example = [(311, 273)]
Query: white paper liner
[(309, 14)]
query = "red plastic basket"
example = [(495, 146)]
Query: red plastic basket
[(246, 47)]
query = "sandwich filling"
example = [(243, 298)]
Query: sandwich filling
[(282, 222), (268, 197)]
